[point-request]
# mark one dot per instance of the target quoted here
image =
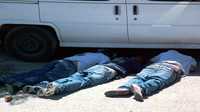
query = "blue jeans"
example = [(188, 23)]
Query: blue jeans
[(153, 78), (50, 72), (95, 75)]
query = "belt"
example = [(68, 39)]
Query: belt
[(175, 66)]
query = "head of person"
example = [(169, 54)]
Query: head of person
[(140, 59)]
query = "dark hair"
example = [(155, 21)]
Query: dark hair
[(108, 52), (141, 59)]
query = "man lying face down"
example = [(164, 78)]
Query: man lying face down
[(56, 69), (167, 68)]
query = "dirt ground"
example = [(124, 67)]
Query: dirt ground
[(183, 96)]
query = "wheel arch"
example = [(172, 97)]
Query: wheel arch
[(9, 31), (6, 28)]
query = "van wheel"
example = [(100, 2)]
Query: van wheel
[(31, 43)]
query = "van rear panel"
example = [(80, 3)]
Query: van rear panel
[(18, 11)]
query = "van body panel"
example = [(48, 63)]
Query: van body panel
[(89, 22), (18, 1), (85, 1), (18, 13), (163, 22), (165, 34), (130, 45)]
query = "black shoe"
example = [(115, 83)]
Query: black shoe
[(119, 92)]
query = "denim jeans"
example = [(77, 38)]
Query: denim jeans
[(153, 78), (50, 72), (95, 75)]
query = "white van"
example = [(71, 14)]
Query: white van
[(33, 29)]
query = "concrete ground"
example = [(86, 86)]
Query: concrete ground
[(183, 96)]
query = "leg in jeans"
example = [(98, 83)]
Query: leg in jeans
[(139, 78), (70, 84), (153, 78), (162, 78), (125, 89), (60, 86), (99, 74), (93, 76)]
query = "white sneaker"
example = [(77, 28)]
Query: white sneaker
[(42, 86), (49, 91)]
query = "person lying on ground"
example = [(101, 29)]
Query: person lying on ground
[(95, 75), (56, 69), (168, 68)]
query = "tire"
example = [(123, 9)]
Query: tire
[(31, 43)]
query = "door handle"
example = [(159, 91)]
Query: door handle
[(117, 10), (135, 10)]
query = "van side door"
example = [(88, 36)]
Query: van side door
[(87, 21), (164, 21)]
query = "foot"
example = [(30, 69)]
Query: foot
[(50, 90), (41, 92), (137, 91), (42, 86), (119, 92), (31, 89)]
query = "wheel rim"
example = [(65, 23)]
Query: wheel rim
[(28, 43)]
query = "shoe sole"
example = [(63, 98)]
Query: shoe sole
[(31, 89), (117, 93)]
